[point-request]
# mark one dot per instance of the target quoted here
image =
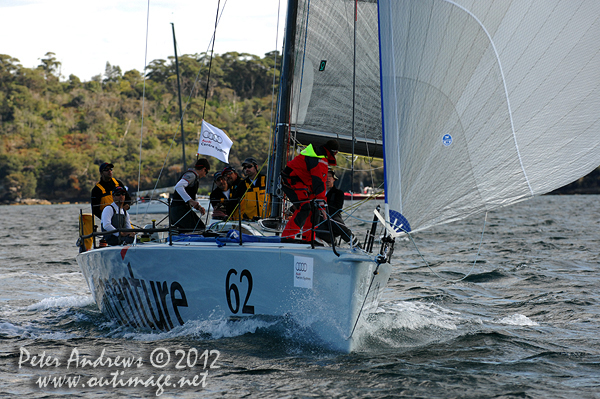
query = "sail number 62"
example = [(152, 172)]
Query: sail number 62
[(231, 288)]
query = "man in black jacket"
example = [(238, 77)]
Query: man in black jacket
[(237, 190), (184, 198), (219, 198), (335, 202)]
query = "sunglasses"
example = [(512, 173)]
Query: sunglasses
[(118, 194), (247, 166), (108, 170)]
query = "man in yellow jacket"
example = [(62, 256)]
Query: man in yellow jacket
[(102, 191), (255, 186)]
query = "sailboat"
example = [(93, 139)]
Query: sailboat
[(472, 105), (145, 204)]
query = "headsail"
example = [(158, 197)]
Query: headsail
[(486, 103)]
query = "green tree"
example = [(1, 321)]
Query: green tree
[(112, 73), (50, 65)]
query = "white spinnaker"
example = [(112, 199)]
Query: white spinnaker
[(514, 84)]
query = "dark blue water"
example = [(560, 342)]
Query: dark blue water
[(524, 323)]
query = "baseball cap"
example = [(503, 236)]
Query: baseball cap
[(249, 161), (119, 190), (106, 165), (228, 169), (203, 163), (332, 174)]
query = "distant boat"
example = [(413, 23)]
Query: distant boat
[(368, 193), (474, 105), (159, 204)]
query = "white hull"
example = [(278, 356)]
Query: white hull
[(161, 287)]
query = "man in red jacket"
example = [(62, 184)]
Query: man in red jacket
[(303, 181)]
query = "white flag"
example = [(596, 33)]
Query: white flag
[(214, 142)]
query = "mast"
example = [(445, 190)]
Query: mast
[(179, 94), (353, 98), (283, 109)]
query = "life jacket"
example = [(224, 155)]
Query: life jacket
[(106, 197), (298, 174), (191, 189), (254, 199), (118, 220)]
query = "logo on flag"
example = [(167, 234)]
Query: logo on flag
[(214, 142)]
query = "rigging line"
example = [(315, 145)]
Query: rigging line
[(181, 218), (361, 170), (197, 78), (188, 101), (333, 221), (143, 100), (474, 262), (272, 123), (244, 195), (355, 207), (361, 202), (179, 98), (211, 43), (364, 301), (211, 58)]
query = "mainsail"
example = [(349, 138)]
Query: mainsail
[(335, 93)]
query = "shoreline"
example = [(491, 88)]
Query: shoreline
[(36, 201)]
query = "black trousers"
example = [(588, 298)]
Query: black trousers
[(338, 226), (185, 219), (112, 239)]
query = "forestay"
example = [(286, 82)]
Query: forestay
[(486, 103)]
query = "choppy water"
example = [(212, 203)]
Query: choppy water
[(525, 323)]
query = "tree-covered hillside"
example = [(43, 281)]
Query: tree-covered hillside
[(55, 131)]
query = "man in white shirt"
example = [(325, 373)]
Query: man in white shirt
[(184, 198), (115, 217)]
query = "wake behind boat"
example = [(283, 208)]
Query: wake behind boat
[(472, 105)]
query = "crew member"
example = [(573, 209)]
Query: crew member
[(114, 216), (303, 181), (253, 203), (219, 198), (237, 189), (335, 202), (184, 201), (102, 192)]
